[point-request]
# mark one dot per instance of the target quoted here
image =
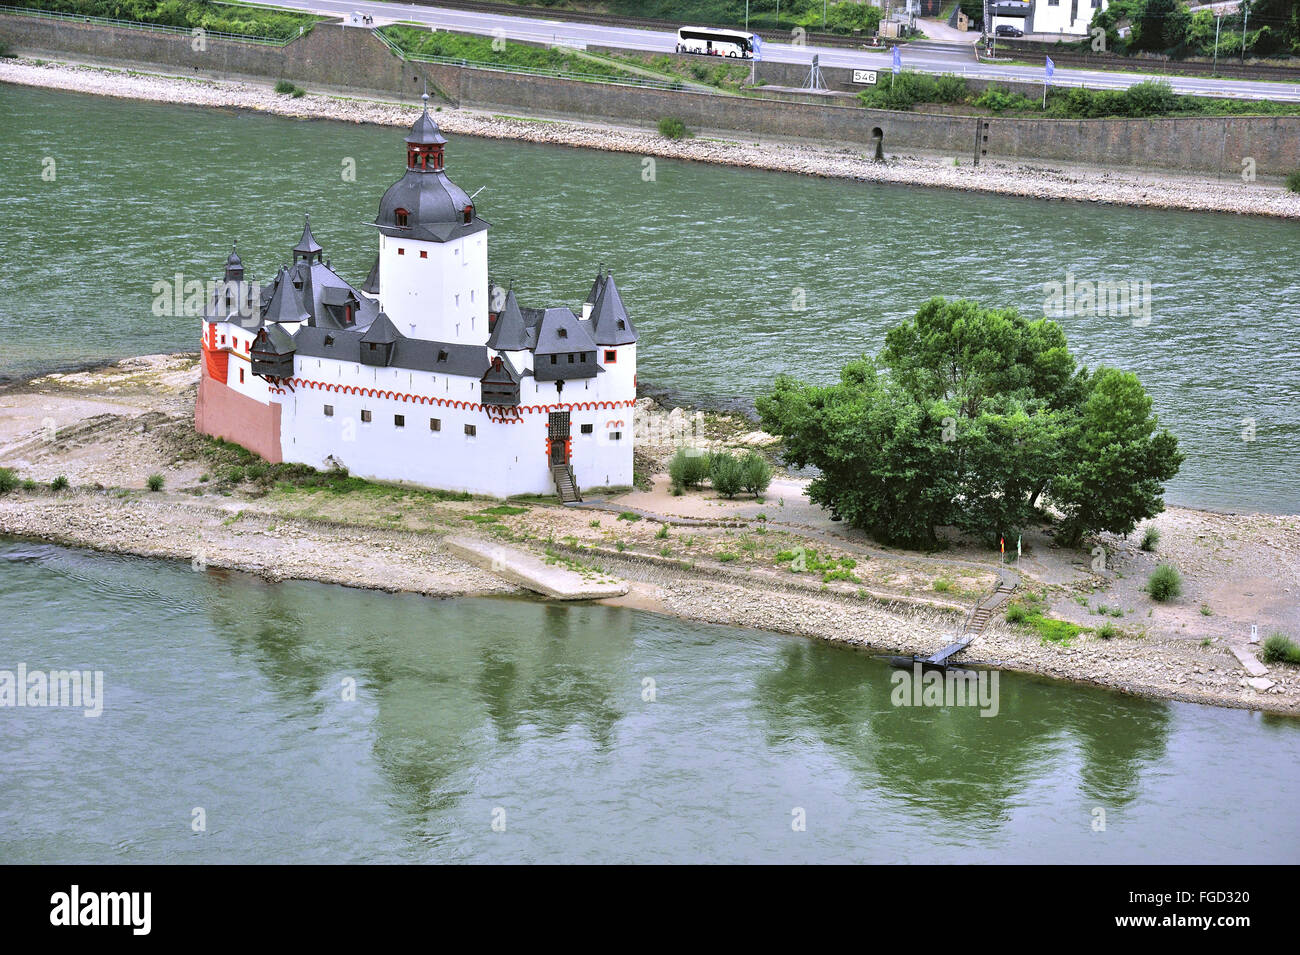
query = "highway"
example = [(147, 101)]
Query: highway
[(928, 57)]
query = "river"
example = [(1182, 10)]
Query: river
[(228, 694), (731, 275)]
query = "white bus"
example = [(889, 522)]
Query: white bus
[(713, 42)]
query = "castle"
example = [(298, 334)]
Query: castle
[(425, 374)]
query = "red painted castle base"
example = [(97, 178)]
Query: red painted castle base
[(223, 412)]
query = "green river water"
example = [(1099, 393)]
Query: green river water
[(225, 693), (710, 260)]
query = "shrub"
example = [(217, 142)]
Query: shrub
[(1108, 631), (662, 533), (1293, 180), (629, 516), (1150, 538), (756, 473), (297, 92), (943, 585), (688, 468), (155, 482), (673, 128), (727, 474), (59, 483), (29, 485), (284, 87), (1017, 613), (1279, 648), (8, 480), (1165, 583)]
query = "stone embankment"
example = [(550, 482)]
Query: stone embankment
[(1039, 179)]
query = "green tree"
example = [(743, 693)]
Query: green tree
[(1161, 25), (1118, 462)]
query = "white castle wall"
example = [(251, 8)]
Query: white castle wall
[(441, 297)]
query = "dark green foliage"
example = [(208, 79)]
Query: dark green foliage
[(688, 468), (1280, 649), (673, 128), (726, 474), (60, 483), (969, 417), (155, 482), (8, 480), (215, 17), (756, 473), (486, 49), (298, 91), (1150, 538), (1165, 583), (1293, 180), (284, 87)]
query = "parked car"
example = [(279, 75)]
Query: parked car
[(1006, 29)]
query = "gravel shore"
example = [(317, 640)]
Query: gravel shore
[(1039, 179), (712, 560)]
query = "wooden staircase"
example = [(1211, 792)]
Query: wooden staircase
[(565, 485)]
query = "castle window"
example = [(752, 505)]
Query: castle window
[(365, 416), (471, 430), (563, 332), (424, 254), (553, 358), (442, 355), (570, 358), (329, 340), (435, 424), (469, 214), (399, 421), (616, 435), (582, 357), (586, 429), (399, 215), (611, 356), (329, 411), (400, 250), (622, 325), (241, 376)]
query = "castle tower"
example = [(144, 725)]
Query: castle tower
[(433, 267)]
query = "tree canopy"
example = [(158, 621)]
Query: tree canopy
[(974, 417)]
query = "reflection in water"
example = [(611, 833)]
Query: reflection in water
[(227, 692)]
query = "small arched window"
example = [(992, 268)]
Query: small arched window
[(469, 214), (400, 215)]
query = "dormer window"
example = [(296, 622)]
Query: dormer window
[(329, 340), (563, 332), (469, 214), (442, 355), (622, 325), (400, 216)]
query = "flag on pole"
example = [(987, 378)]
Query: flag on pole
[(1050, 68), (1003, 541), (758, 47), (898, 61)]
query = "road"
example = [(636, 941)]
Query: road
[(925, 57)]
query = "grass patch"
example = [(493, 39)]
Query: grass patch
[(673, 128), (488, 50), (1293, 181), (1150, 538), (943, 585), (1279, 648), (8, 480), (629, 516), (155, 482), (1165, 583), (1028, 612), (262, 22), (60, 483)]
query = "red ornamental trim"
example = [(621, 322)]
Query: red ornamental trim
[(453, 403)]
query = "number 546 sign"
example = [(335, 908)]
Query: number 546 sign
[(865, 76)]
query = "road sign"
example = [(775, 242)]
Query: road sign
[(867, 77)]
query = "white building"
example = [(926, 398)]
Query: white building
[(1054, 18), (423, 375)]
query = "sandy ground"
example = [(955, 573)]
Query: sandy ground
[(703, 558), (1037, 179)]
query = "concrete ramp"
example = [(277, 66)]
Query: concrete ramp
[(558, 581)]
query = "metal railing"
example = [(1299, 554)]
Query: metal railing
[(644, 82), (147, 27)]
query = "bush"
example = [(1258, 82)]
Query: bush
[(1108, 631), (1293, 180), (1017, 613), (8, 480), (297, 92), (155, 482), (1165, 583), (727, 474), (284, 86), (756, 473), (29, 485), (689, 467), (1279, 648), (673, 128), (1150, 538), (59, 483)]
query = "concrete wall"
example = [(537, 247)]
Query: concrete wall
[(223, 412), (347, 58)]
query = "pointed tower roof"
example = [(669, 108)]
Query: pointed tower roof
[(610, 322), (382, 331), (234, 263), (371, 284), (425, 131), (288, 304), (307, 246), (509, 333), (596, 287)]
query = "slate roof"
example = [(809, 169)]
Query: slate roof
[(435, 208), (445, 358), (510, 333), (560, 331), (278, 341), (381, 331), (288, 303), (307, 245), (425, 131), (610, 322), (371, 284)]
